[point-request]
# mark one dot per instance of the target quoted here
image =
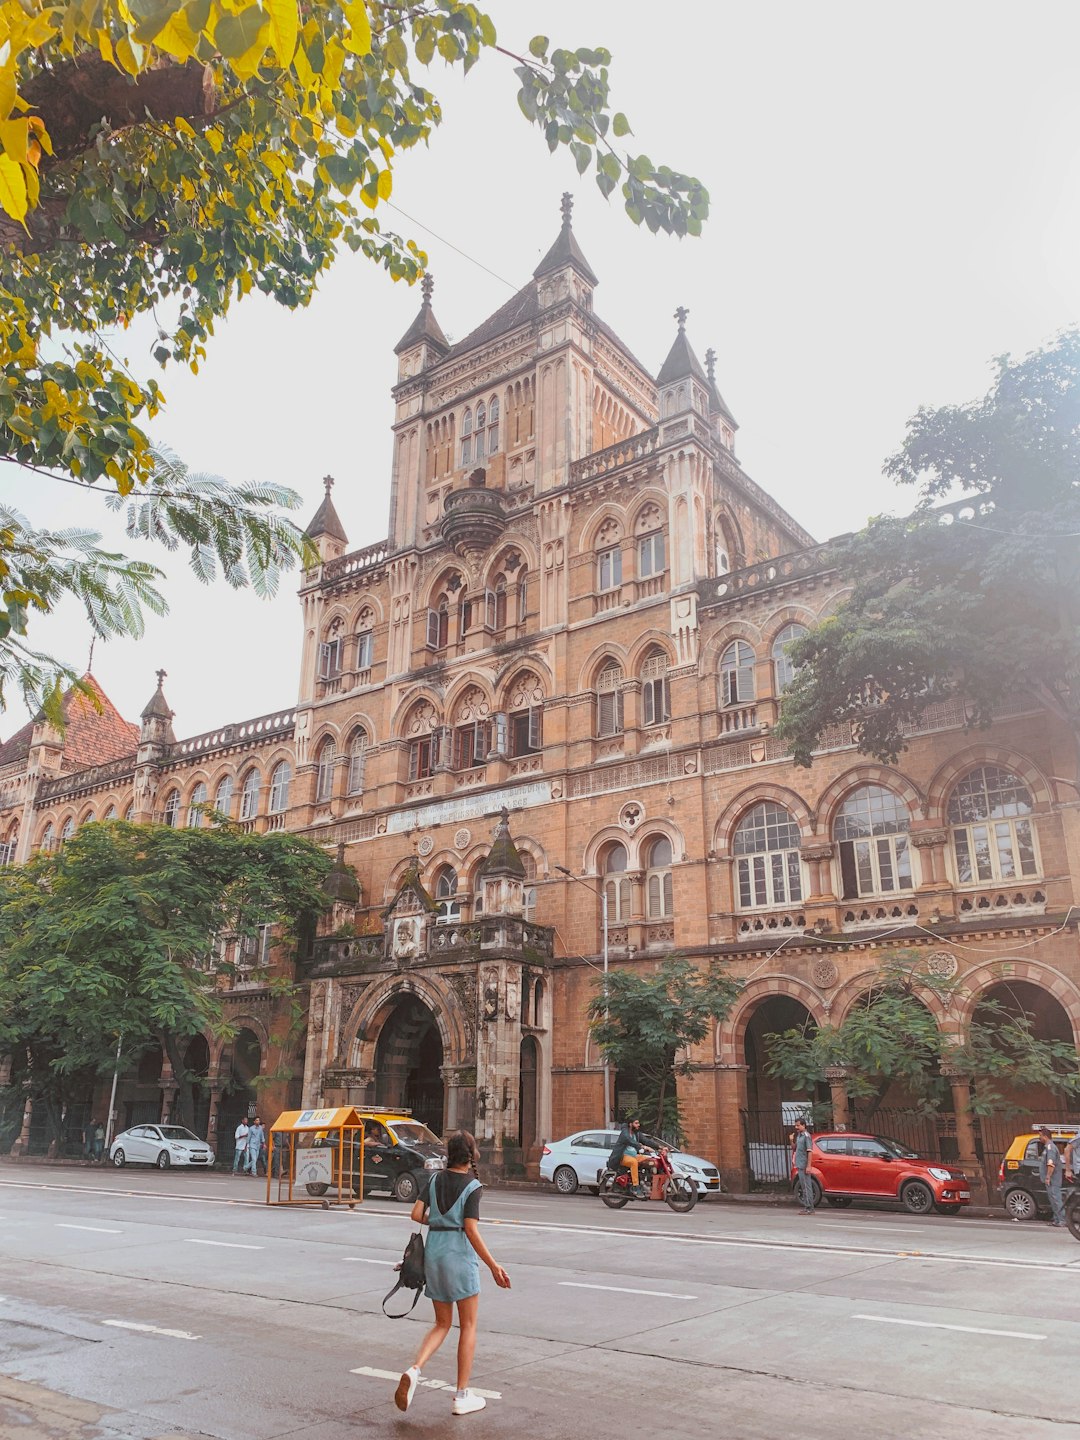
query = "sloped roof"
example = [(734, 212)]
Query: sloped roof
[(566, 251), (424, 327), (91, 737), (326, 521), (518, 310), (681, 363)]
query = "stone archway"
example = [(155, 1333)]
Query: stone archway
[(772, 1103), (1048, 1019), (408, 1063), (528, 1095), (196, 1071), (239, 1096)]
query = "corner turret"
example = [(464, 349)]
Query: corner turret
[(156, 728), (564, 273), (424, 343), (325, 530)]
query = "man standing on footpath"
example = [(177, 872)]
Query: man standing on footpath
[(240, 1153), (256, 1136), (801, 1141), (1050, 1173)]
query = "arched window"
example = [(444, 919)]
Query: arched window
[(723, 557), (223, 796), (609, 568), (655, 706), (871, 830), (616, 883), (438, 624), (69, 829), (538, 1005), (8, 848), (466, 438), (170, 813), (993, 838), (195, 804), (493, 425), (110, 813), (279, 787), (658, 900), (737, 674), (526, 716), (331, 654), (249, 795), (522, 597), (783, 669), (129, 811), (768, 869), (447, 905), (481, 421), (358, 745), (365, 649), (324, 777), (528, 888), (651, 555), (609, 700), (48, 838)]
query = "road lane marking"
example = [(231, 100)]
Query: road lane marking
[(363, 1260), (937, 1325), (625, 1290), (97, 1229), (374, 1374), (221, 1244), (152, 1329)]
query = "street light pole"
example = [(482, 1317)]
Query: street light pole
[(112, 1098), (604, 932)]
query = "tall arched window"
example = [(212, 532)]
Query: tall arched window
[(993, 838), (365, 649), (129, 811), (768, 869), (48, 838), (526, 717), (324, 776), (438, 624), (111, 813), (358, 745), (783, 669), (522, 597), (223, 796), (609, 700), (655, 704), (871, 830), (69, 829), (279, 787), (528, 888), (737, 674), (447, 905), (481, 434), (466, 438), (493, 425), (658, 901), (616, 883), (249, 794), (8, 848), (195, 804), (170, 812)]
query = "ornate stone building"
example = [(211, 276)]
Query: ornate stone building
[(579, 622)]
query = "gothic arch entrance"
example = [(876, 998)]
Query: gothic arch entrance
[(197, 1068), (238, 1100), (408, 1062), (528, 1095)]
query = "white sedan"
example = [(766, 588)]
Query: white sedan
[(160, 1145), (575, 1162)]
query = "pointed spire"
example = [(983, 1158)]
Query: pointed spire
[(503, 857), (341, 886), (425, 326), (157, 707), (325, 521), (681, 362), (717, 404), (566, 250)]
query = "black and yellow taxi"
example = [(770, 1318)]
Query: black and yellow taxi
[(399, 1153), (1022, 1192)]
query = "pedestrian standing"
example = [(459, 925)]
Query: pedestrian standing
[(254, 1146), (450, 1207), (99, 1142), (801, 1143), (1050, 1173), (240, 1136)]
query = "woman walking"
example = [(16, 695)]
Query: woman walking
[(451, 1210)]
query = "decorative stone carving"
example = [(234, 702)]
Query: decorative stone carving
[(824, 974), (942, 965), (631, 815), (462, 838), (490, 997), (425, 845)]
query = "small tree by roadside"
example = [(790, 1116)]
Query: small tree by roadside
[(646, 1020)]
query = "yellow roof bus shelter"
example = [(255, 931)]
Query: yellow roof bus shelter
[(316, 1157)]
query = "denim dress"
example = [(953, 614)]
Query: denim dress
[(451, 1269)]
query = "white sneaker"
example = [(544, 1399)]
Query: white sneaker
[(465, 1403), (406, 1388)]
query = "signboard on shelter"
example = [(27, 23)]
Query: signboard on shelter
[(315, 1167)]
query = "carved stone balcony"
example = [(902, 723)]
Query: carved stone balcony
[(473, 518)]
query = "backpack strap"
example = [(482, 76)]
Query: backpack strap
[(411, 1308)]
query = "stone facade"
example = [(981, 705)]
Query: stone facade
[(579, 618)]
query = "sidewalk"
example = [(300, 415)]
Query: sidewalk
[(33, 1412)]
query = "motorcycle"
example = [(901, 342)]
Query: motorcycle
[(678, 1191)]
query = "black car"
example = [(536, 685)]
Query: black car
[(398, 1154), (1022, 1192)]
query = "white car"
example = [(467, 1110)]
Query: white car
[(574, 1163), (160, 1145)]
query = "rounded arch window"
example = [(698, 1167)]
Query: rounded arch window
[(358, 748), (655, 697), (871, 830), (737, 674), (616, 883), (223, 796), (279, 787), (447, 904), (171, 812), (195, 804), (324, 774), (658, 897), (783, 669), (609, 700), (768, 866), (249, 795), (993, 838)]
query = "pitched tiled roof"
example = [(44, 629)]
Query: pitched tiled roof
[(518, 310), (91, 737)]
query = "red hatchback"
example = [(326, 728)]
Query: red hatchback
[(847, 1167)]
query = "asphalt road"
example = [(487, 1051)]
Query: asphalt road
[(140, 1304)]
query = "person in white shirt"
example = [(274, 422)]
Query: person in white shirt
[(240, 1153)]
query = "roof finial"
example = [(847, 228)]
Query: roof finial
[(328, 484), (567, 209), (680, 315), (710, 365), (427, 285), (161, 677)]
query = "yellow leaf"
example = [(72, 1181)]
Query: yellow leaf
[(284, 25), (358, 40), (130, 55), (214, 139), (385, 184), (12, 188), (183, 126), (105, 49), (13, 138), (177, 38)]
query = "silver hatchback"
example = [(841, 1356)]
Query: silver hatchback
[(160, 1145)]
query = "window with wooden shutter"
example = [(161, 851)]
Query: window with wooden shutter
[(609, 701), (655, 709)]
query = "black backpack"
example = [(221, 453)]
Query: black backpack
[(410, 1275)]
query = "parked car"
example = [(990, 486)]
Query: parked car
[(846, 1167), (576, 1161), (1022, 1192), (399, 1153), (160, 1145)]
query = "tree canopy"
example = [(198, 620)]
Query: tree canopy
[(115, 935), (980, 600)]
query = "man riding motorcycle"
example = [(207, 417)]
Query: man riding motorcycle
[(630, 1154)]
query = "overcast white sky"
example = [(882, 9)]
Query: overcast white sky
[(895, 199)]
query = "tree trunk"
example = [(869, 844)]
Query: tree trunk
[(184, 1109)]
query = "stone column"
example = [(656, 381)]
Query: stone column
[(730, 1102), (817, 859), (969, 1162), (837, 1076), (212, 1119), (460, 1083), (931, 847)]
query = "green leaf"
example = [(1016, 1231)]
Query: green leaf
[(620, 125), (538, 46), (237, 34)]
